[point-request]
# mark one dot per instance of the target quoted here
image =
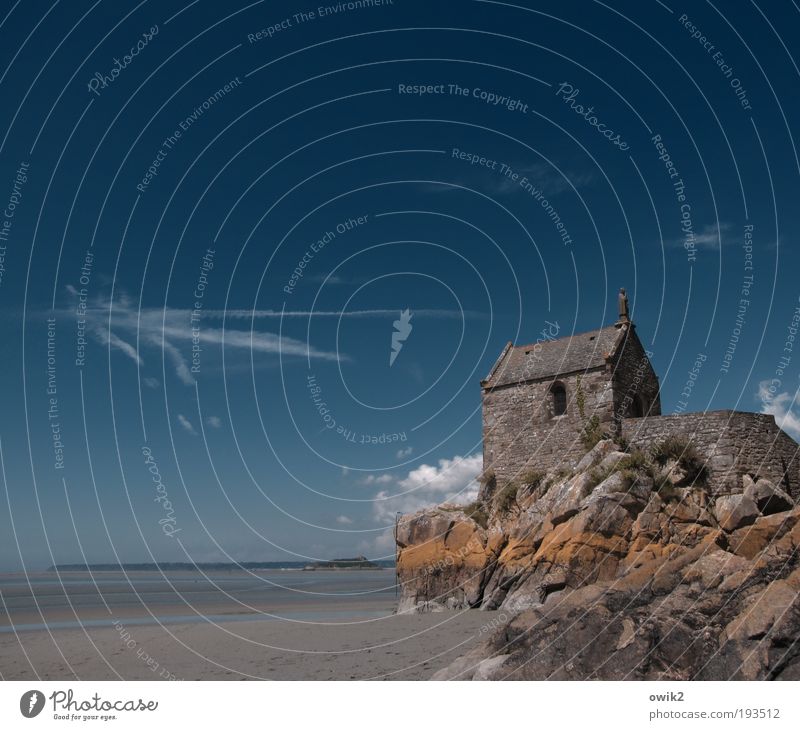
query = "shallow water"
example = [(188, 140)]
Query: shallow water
[(44, 601)]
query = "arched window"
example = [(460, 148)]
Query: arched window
[(559, 395), (637, 407)]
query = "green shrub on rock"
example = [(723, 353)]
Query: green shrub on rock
[(636, 460), (476, 513), (506, 498), (592, 433), (488, 480), (532, 478), (681, 450)]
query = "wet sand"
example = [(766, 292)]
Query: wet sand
[(222, 625)]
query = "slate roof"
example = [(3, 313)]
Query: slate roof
[(551, 358)]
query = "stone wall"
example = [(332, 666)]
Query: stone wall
[(520, 430), (733, 442), (635, 382)]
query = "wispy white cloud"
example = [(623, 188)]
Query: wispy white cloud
[(714, 236), (182, 369), (545, 178), (541, 175), (214, 421), (186, 424), (104, 337), (784, 406), (379, 479), (344, 520), (451, 480), (171, 330), (710, 236), (354, 314), (330, 279), (404, 453)]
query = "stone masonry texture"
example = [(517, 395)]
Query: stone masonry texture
[(734, 443)]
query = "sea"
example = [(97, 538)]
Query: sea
[(68, 600)]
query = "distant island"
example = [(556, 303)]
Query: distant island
[(358, 563)]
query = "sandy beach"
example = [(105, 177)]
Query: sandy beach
[(226, 625), (392, 647)]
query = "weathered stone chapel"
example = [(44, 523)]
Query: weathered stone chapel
[(538, 398)]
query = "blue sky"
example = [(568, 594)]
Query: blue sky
[(215, 215)]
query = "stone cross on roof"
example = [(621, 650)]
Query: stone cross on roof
[(624, 311)]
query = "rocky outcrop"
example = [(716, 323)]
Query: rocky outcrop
[(444, 556), (626, 568)]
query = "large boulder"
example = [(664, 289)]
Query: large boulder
[(734, 511), (596, 454), (443, 559), (768, 498), (751, 540), (611, 459), (566, 500)]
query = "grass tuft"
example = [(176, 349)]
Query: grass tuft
[(592, 433), (532, 478), (680, 449), (506, 498), (476, 513)]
